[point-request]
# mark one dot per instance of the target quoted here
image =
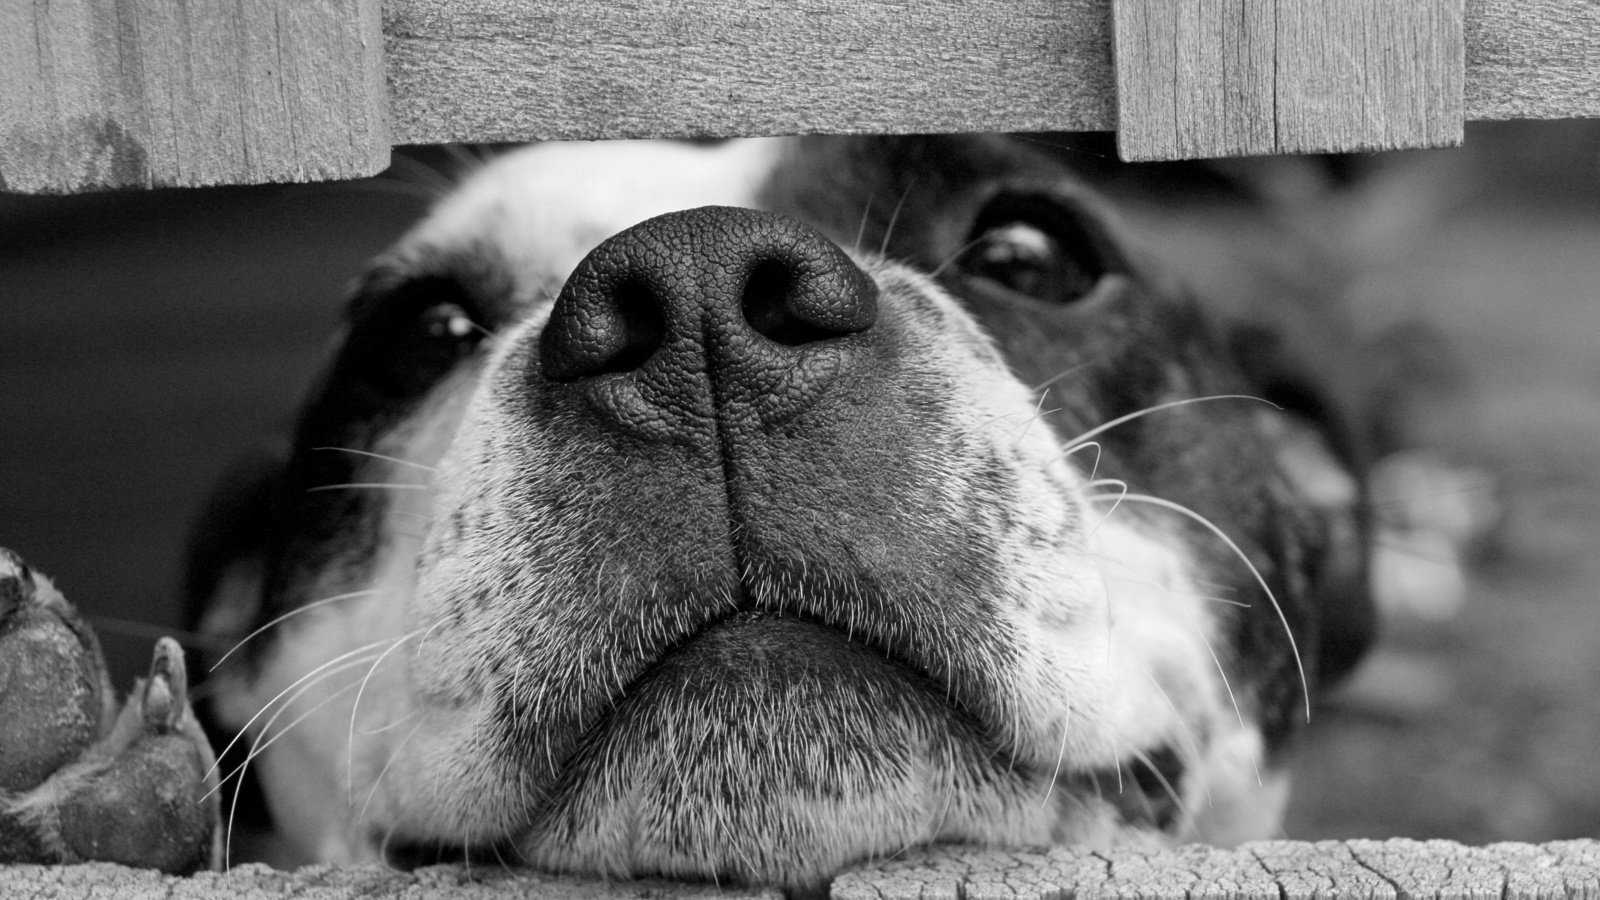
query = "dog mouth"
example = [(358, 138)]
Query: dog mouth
[(759, 678), (754, 655), (776, 647), (769, 724)]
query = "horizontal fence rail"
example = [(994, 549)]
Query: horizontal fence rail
[(1276, 870), (102, 93)]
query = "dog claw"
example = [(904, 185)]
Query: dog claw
[(166, 693), (79, 779)]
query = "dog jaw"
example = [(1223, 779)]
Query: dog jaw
[(549, 650)]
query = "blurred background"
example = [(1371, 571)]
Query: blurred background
[(147, 339)]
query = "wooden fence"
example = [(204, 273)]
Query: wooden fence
[(106, 93)]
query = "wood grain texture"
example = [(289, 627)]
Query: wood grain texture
[(500, 70), (495, 70), (153, 93), (1278, 870), (1533, 59), (100, 93), (1208, 78), (93, 881)]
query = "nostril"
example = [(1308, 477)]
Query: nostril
[(643, 325), (793, 303), (769, 307), (604, 328)]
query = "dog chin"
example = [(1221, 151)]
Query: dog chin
[(775, 749)]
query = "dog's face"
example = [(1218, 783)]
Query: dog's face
[(743, 511)]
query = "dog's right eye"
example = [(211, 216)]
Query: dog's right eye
[(416, 335)]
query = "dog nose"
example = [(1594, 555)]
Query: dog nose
[(739, 292)]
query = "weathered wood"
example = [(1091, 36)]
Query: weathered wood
[(489, 881), (107, 93), (156, 92), (1533, 59), (1207, 78), (1396, 869), (1274, 870), (501, 70), (479, 70)]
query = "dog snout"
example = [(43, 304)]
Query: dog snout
[(738, 297)]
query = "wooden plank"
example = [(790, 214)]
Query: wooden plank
[(501, 70), (1396, 869), (109, 93), (98, 93), (490, 881), (1208, 78), (1533, 59)]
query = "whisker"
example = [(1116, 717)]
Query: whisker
[(384, 729), (284, 707), (466, 161), (1305, 687), (362, 485), (1064, 373), (1159, 407), (1188, 731), (1064, 148), (256, 749), (386, 458), (322, 669), (1121, 486), (1415, 553), (1238, 713), (487, 334), (1128, 576), (378, 185), (956, 255), (894, 217), (350, 747), (1060, 758), (1039, 412), (411, 171), (861, 230), (1183, 808), (495, 847), (985, 424), (291, 614), (1070, 451), (132, 628), (393, 755)]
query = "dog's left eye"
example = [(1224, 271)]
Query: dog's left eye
[(1032, 247)]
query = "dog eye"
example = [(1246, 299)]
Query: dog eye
[(425, 348), (448, 322), (1032, 246), (415, 335)]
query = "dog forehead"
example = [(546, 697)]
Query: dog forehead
[(541, 208)]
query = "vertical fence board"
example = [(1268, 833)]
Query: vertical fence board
[(1286, 76), (151, 93)]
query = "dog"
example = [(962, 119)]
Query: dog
[(741, 511)]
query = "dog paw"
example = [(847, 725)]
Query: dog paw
[(80, 779)]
